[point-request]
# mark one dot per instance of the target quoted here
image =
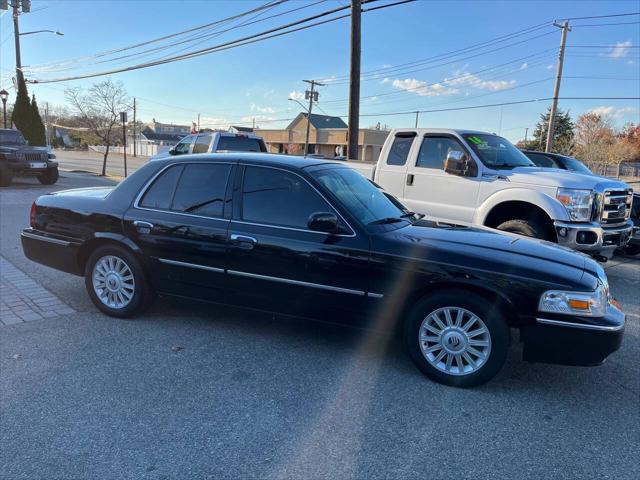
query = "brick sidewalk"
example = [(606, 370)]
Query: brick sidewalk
[(23, 299)]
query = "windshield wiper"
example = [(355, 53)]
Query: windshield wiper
[(383, 221), (412, 214)]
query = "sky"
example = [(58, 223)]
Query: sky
[(423, 55)]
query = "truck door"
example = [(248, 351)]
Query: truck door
[(434, 192), (392, 173)]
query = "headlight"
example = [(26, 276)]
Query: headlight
[(589, 304), (578, 203)]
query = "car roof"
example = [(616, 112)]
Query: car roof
[(267, 159), (448, 131)]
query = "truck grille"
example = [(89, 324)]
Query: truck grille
[(35, 157), (616, 206)]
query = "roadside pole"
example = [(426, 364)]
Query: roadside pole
[(556, 88), (16, 33), (312, 96), (417, 117), (134, 128), (354, 81), (123, 118), (46, 124)]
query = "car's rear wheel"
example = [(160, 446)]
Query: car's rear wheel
[(457, 338), (116, 282), (6, 176), (49, 177), (528, 228)]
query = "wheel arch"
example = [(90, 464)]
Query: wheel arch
[(100, 239), (525, 197)]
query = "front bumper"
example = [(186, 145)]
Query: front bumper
[(31, 168), (592, 237), (568, 340)]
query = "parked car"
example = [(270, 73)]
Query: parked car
[(482, 179), (17, 157), (209, 142), (555, 160), (314, 238)]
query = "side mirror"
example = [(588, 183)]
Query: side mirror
[(172, 151), (323, 222), (457, 163)]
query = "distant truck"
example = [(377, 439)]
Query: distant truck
[(17, 157), (209, 142), (483, 179)]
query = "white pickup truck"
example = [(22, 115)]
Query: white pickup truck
[(483, 179)]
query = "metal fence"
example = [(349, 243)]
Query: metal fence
[(623, 170)]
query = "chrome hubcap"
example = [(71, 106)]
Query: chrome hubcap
[(113, 281), (455, 340)]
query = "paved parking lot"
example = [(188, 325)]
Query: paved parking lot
[(193, 391)]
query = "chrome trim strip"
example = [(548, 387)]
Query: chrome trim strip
[(46, 239), (292, 228), (297, 282), (559, 323), (375, 295), (191, 265)]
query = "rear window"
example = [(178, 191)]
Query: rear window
[(160, 194), (241, 144), (399, 150)]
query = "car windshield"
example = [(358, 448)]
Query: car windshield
[(363, 199), (574, 165), (497, 152), (11, 137)]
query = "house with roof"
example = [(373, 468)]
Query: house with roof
[(327, 136)]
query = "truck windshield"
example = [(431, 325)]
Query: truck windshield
[(362, 198), (497, 152), (11, 137)]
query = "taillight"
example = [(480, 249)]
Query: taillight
[(32, 215)]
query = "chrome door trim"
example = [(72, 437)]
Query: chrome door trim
[(560, 323), (297, 282), (46, 239), (191, 265)]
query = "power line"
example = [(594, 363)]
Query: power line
[(604, 24), (603, 16), (272, 33)]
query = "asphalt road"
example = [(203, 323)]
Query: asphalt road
[(90, 161), (199, 391)]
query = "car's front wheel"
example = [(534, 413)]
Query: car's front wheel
[(5, 175), (49, 177), (116, 282), (457, 338)]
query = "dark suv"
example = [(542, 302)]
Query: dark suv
[(17, 157)]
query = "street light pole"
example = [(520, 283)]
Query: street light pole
[(4, 95)]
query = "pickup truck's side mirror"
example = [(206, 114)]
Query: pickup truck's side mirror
[(323, 222), (172, 151), (457, 163)]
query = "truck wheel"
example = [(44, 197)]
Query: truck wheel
[(5, 176), (116, 282), (457, 338), (49, 177), (528, 228)]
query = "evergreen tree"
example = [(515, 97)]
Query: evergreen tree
[(38, 130), (21, 115), (563, 132)]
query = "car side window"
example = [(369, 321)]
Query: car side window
[(276, 197), (202, 144), (434, 151), (160, 195), (183, 146), (399, 151), (201, 189), (542, 160)]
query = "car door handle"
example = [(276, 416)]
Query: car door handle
[(243, 241), (410, 179), (143, 227)]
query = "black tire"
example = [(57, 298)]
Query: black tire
[(49, 177), (632, 249), (143, 293), (499, 338), (528, 228), (6, 176)]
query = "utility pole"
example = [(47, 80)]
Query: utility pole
[(526, 132), (417, 117), (253, 123), (16, 33), (123, 118), (198, 124), (556, 88), (134, 128), (46, 123), (311, 95), (354, 80)]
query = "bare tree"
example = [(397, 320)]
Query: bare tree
[(100, 108), (594, 136)]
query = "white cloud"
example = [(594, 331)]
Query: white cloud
[(295, 95), (621, 49), (385, 80), (373, 99), (219, 123), (256, 118), (612, 112), (462, 77), (259, 109), (549, 67), (422, 88), (386, 65), (269, 93), (524, 65)]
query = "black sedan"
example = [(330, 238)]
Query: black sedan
[(314, 238)]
